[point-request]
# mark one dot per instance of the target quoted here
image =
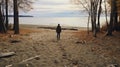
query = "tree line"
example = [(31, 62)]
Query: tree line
[(94, 9), (14, 6)]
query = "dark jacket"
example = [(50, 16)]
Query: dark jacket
[(58, 29)]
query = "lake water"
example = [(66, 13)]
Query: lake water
[(53, 21)]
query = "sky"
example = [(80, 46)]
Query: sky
[(54, 8)]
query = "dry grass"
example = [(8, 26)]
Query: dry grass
[(26, 31), (83, 35), (23, 31), (108, 46), (96, 52)]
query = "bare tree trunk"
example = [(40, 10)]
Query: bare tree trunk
[(6, 3), (2, 25), (116, 22), (88, 23), (99, 13), (106, 13), (91, 13), (16, 18), (110, 27), (115, 17), (94, 6)]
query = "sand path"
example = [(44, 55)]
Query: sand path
[(67, 52)]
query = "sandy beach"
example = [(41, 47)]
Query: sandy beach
[(38, 47)]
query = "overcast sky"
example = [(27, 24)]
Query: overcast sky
[(54, 8)]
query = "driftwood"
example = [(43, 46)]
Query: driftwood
[(112, 65), (2, 55), (37, 56), (53, 28), (15, 41), (81, 42), (31, 58)]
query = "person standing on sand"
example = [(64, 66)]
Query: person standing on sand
[(58, 31)]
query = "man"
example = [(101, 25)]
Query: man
[(58, 31)]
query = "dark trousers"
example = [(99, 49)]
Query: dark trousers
[(58, 36)]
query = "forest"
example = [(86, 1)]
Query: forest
[(95, 8), (12, 5)]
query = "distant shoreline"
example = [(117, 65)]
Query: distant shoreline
[(20, 16), (51, 27)]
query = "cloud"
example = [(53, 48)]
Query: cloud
[(53, 2), (57, 7), (54, 8), (65, 13)]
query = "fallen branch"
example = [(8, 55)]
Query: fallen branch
[(37, 56), (31, 58), (2, 55)]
